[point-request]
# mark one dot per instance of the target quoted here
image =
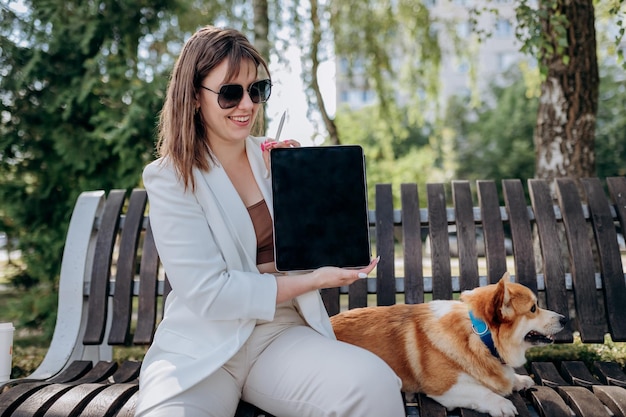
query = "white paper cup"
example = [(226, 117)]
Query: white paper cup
[(6, 350)]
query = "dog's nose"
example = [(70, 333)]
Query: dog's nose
[(562, 320)]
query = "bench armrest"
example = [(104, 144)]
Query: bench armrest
[(66, 344)]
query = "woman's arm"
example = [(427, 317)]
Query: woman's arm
[(192, 259), (290, 286)]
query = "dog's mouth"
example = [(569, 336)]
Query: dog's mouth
[(535, 338)]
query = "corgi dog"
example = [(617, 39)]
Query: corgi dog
[(460, 353)]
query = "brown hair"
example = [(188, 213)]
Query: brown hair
[(182, 132)]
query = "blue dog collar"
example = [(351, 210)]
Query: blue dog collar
[(482, 330)]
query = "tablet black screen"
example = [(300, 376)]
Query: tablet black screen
[(320, 207)]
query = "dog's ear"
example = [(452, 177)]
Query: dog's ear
[(502, 299)]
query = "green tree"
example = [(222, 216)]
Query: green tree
[(497, 143), (611, 126), (562, 35), (80, 89), (368, 36), (401, 156)]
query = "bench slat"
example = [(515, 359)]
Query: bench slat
[(617, 190), (552, 253), (128, 371), (331, 299), (128, 409), (100, 372), (465, 412), (40, 400), (357, 294), (245, 409), (412, 245), (109, 400), (74, 400), (99, 290), (609, 257), (612, 397), (525, 269), (495, 251), (430, 407), (583, 402), (385, 271), (126, 266), (589, 314), (547, 402), (546, 374), (520, 404), (148, 290), (75, 370), (610, 373), (439, 242), (577, 373), (10, 400), (167, 288), (466, 234)]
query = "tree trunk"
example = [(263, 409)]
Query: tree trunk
[(261, 28), (262, 44), (564, 137), (316, 39)]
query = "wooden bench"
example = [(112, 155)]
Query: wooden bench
[(111, 288)]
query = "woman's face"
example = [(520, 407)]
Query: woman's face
[(234, 124)]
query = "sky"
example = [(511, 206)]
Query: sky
[(288, 94)]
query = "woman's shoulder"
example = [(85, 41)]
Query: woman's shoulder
[(161, 167)]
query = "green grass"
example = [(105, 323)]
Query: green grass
[(578, 351)]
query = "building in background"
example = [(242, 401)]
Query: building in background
[(466, 67)]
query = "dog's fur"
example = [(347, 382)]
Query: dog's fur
[(434, 350)]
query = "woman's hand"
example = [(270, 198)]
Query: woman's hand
[(270, 144), (331, 277), (291, 286)]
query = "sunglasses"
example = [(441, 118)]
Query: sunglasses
[(230, 95)]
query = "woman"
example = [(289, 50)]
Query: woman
[(233, 327)]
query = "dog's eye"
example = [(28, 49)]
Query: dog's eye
[(533, 308)]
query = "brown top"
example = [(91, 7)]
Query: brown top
[(263, 229)]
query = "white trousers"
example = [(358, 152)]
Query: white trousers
[(288, 369)]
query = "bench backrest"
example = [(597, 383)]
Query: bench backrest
[(567, 251)]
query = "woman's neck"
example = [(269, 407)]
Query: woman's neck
[(230, 154)]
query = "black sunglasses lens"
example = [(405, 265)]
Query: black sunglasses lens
[(230, 95), (260, 91)]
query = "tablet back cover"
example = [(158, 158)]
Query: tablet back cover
[(320, 207)]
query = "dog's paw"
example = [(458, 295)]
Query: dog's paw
[(502, 408), (522, 382)]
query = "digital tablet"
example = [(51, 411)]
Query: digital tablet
[(320, 207)]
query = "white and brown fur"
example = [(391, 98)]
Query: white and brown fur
[(434, 350)]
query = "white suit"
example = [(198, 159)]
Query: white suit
[(207, 244)]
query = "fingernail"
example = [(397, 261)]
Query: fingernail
[(362, 275), (267, 144)]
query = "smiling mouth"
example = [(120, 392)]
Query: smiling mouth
[(536, 338)]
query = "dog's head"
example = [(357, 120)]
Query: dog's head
[(515, 320)]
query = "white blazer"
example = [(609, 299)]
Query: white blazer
[(207, 245)]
